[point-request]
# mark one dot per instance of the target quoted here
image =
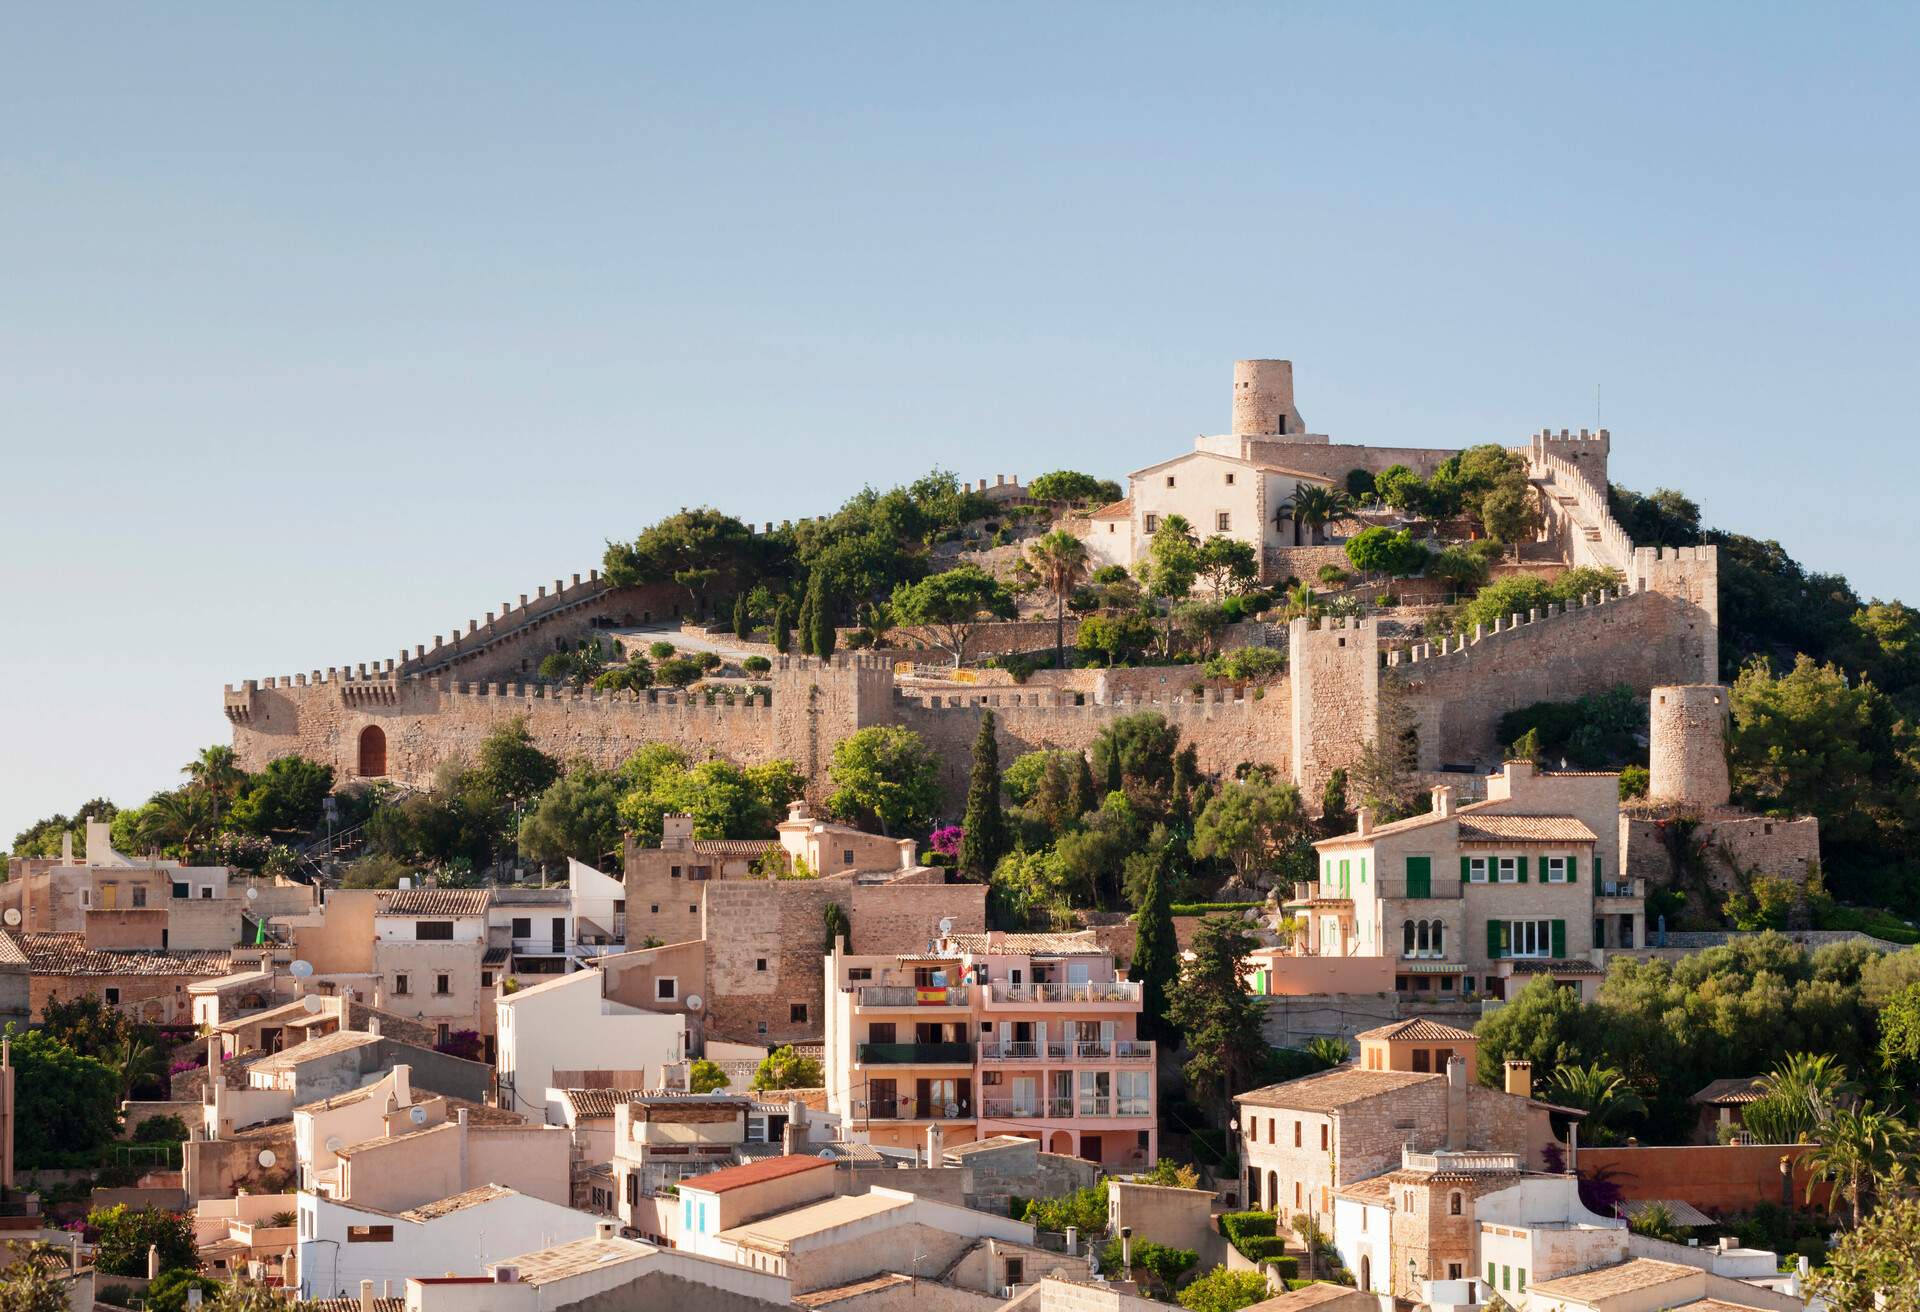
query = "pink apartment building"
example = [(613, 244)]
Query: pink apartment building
[(988, 1034)]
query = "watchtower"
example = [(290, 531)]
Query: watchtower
[(1263, 397), (1688, 744)]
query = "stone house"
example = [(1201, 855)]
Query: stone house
[(150, 985), (429, 952)]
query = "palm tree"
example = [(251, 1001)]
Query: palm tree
[(176, 819), (1332, 1051), (1799, 1094), (1857, 1146), (1060, 559), (137, 1063), (1312, 507), (1600, 1091), (217, 773)]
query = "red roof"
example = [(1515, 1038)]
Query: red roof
[(738, 1177)]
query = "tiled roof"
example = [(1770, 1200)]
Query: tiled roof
[(732, 846), (1683, 1213), (1715, 1305), (1080, 942), (840, 1293), (1558, 966), (991, 1143), (1610, 1281), (1334, 1089), (438, 902), (1420, 1030), (1525, 829), (571, 1259), (597, 1102), (351, 1305), (486, 1193), (738, 1177), (68, 954), (782, 1229), (1743, 1090), (10, 952), (1310, 1296), (1121, 509), (1375, 1190), (495, 956), (324, 1046)]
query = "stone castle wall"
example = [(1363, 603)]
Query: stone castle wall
[(1687, 751)]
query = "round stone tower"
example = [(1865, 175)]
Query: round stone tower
[(1263, 397), (1688, 744)]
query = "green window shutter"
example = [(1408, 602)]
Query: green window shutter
[(1573, 870), (1523, 869), (1597, 876), (1419, 876), (1363, 870), (1466, 863), (1493, 939), (1559, 939)]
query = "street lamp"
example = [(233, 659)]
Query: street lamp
[(1786, 1180)]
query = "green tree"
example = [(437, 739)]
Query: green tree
[(784, 1068), (217, 773), (64, 1103), (782, 626), (1401, 488), (725, 800), (839, 930), (1875, 1265), (742, 617), (705, 1077), (1081, 796), (1511, 515), (1603, 1093), (885, 775), (694, 549), (678, 671), (1060, 561), (634, 675), (1328, 1051), (511, 767), (1216, 1014), (1070, 487), (126, 1234), (809, 613), (577, 816), (1221, 1290), (952, 605), (1803, 744), (984, 830), (1656, 1221), (1156, 952), (823, 633), (1382, 551), (1229, 565), (1312, 507), (1115, 637), (1248, 823), (168, 1293), (1335, 817), (1168, 573), (27, 1283), (1544, 1024), (284, 798), (1135, 753), (179, 822), (1857, 1146), (1900, 1038)]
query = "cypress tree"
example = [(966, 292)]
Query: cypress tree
[(1156, 953), (782, 626), (1186, 773), (1116, 779), (1054, 799), (806, 619), (1080, 794), (742, 618), (985, 839), (1334, 816), (823, 634)]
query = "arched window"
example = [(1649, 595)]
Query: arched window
[(1409, 937), (1455, 1201), (1366, 1271), (373, 752), (1425, 937), (1273, 1191), (1439, 939)]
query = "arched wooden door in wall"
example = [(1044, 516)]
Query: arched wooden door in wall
[(373, 752)]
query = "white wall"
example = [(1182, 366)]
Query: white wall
[(565, 1024), (463, 1241), (1361, 1230)]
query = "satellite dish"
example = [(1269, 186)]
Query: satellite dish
[(252, 893), (695, 1002), (13, 916), (946, 926), (311, 1002), (300, 969), (334, 1144), (827, 1153), (267, 1158), (418, 1115), (953, 1110)]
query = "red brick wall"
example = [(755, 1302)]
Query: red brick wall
[(1714, 1178)]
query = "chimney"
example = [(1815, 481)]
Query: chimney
[(403, 1084), (793, 1139), (373, 1026), (66, 848), (1363, 821), (1073, 1240), (1456, 1103), (1519, 1078), (604, 1230), (909, 853), (1443, 800), (936, 1144), (366, 1296), (797, 810)]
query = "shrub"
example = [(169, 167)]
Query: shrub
[(660, 650), (1332, 576), (160, 1129), (1246, 664), (1245, 1228), (756, 665), (678, 671), (707, 660), (1221, 1290), (1212, 908), (1633, 781), (1263, 1248)]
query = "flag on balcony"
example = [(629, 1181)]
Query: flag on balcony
[(930, 995)]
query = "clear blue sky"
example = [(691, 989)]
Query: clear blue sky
[(325, 327)]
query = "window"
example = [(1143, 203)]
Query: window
[(1520, 1280), (139, 895), (1556, 870), (206, 891), (846, 857), (1016, 1271), (442, 985), (1476, 870), (760, 1029), (1296, 1134), (675, 872), (857, 974), (1456, 1202), (442, 1032), (666, 988), (1229, 478), (486, 979), (797, 1013), (523, 926), (440, 930), (1509, 869), (619, 906), (113, 997), (1453, 1271), (1422, 1061), (1169, 480), (760, 963), (655, 908), (181, 890), (1222, 521), (1325, 1131), (881, 1031), (369, 1234), (1407, 1201), (1534, 938), (1136, 1092), (1152, 523), (693, 908), (400, 986)]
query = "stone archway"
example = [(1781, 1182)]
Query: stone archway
[(373, 752), (1366, 1272)]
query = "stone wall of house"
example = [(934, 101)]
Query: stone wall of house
[(1732, 844)]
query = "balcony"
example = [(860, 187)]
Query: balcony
[(908, 1109), (1633, 889), (1113, 992), (1065, 1050), (912, 995), (913, 1054), (1063, 1109), (1473, 1163)]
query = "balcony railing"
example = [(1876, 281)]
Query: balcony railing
[(911, 995), (1053, 1050), (1062, 1109), (909, 1109), (1104, 990), (1472, 1162), (1623, 888), (911, 1054)]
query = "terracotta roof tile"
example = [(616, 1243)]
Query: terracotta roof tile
[(1419, 1030), (738, 1177), (597, 1102), (1334, 1089), (1567, 966), (1080, 942), (1609, 1281), (1741, 1090), (438, 902), (68, 954), (1121, 509), (324, 1046), (1524, 829), (486, 1193), (732, 846)]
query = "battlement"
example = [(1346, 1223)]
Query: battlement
[(1202, 702), (1503, 629), (480, 634)]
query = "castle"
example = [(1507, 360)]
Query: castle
[(401, 717)]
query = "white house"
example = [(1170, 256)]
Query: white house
[(599, 910), (342, 1244), (568, 1275), (567, 1025)]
